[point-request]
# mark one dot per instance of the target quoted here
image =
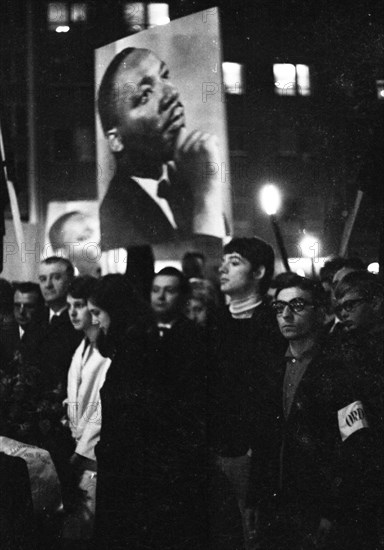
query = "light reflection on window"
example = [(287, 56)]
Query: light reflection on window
[(158, 14), (233, 77), (291, 80), (380, 89), (139, 15), (79, 12)]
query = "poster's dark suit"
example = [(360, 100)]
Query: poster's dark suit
[(129, 216)]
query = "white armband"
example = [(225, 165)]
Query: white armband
[(351, 418)]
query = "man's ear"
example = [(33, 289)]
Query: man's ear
[(377, 304), (114, 140), (259, 273)]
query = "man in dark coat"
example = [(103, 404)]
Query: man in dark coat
[(247, 346), (50, 340), (326, 457), (152, 455)]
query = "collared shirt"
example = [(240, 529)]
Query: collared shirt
[(164, 327), (56, 313), (294, 372), (150, 186)]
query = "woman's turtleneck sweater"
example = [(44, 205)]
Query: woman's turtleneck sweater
[(243, 308)]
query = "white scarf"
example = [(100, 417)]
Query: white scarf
[(244, 307)]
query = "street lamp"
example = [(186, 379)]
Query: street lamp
[(270, 201)]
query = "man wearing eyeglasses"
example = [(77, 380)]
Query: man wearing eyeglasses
[(359, 302), (325, 452)]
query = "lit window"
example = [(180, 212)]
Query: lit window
[(57, 15), (302, 80), (134, 15), (79, 12), (233, 76), (291, 79), (139, 15), (158, 14), (380, 89)]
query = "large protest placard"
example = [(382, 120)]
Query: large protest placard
[(162, 152)]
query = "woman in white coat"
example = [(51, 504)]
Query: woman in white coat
[(85, 378)]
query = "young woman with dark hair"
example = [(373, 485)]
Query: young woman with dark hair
[(152, 450)]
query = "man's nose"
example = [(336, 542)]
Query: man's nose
[(343, 314), (287, 311), (161, 294), (170, 93), (223, 268)]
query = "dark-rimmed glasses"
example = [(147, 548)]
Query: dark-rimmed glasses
[(296, 305), (348, 305)]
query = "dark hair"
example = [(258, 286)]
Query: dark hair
[(173, 272), (6, 296), (82, 287), (355, 263), (28, 288), (369, 285), (55, 233), (191, 265), (292, 280), (330, 267), (108, 96), (57, 260), (114, 294), (258, 253)]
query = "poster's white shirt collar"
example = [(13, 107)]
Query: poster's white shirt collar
[(150, 186)]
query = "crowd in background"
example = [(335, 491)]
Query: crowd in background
[(190, 413)]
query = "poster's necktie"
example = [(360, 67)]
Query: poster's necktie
[(164, 189)]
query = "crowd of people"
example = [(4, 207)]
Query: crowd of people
[(245, 412)]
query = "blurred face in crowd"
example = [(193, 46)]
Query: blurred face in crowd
[(79, 313), (340, 274), (236, 276), (354, 311), (100, 317), (166, 297), (81, 236), (54, 281), (25, 305), (196, 311), (149, 111), (297, 317)]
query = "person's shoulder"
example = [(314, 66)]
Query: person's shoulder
[(264, 324), (118, 188)]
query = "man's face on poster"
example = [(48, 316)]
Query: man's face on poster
[(149, 111)]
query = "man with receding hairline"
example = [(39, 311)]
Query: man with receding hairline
[(161, 190), (51, 339)]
